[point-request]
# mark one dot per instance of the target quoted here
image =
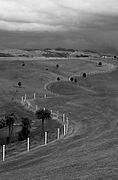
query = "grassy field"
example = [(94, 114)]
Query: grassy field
[(91, 104)]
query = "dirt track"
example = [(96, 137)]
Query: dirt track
[(92, 153)]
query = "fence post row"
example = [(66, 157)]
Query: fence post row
[(65, 126)]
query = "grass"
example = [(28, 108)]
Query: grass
[(91, 104)]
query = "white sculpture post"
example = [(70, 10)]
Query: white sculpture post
[(28, 146), (58, 133), (3, 153), (46, 135), (64, 129)]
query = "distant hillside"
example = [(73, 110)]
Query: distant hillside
[(48, 52)]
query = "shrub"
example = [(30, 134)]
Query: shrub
[(100, 64), (84, 75), (71, 79), (2, 123), (19, 84), (75, 80), (57, 66), (58, 79), (24, 133), (46, 69), (23, 64)]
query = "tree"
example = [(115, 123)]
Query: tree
[(43, 114), (19, 84), (26, 125), (10, 119), (71, 79), (75, 80), (57, 66), (58, 78), (2, 123), (100, 64), (23, 64), (84, 75)]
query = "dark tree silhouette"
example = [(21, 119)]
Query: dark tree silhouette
[(100, 64), (75, 80), (10, 119), (43, 114), (2, 123), (25, 132), (46, 69), (23, 64), (57, 66), (19, 84), (84, 75), (58, 78), (71, 79)]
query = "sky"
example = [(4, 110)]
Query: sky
[(79, 24)]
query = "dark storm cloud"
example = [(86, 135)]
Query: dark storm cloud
[(68, 23)]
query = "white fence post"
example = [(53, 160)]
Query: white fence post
[(25, 97), (28, 146), (46, 137), (44, 108), (63, 117), (45, 96), (3, 153), (58, 133), (51, 111), (67, 124), (34, 96), (64, 129)]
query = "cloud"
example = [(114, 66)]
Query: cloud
[(52, 15)]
